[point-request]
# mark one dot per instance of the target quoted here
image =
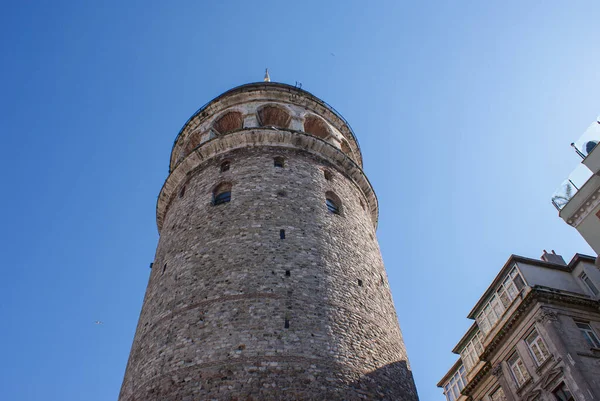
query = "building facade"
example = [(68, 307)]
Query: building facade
[(536, 335), (268, 283), (578, 198)]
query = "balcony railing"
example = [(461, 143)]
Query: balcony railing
[(588, 141), (570, 186)]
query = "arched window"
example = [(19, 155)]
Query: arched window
[(225, 166), (193, 142), (279, 162), (333, 203), (222, 194), (327, 174), (316, 126), (272, 116), (229, 122)]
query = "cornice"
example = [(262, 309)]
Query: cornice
[(586, 207), (536, 294), (485, 369), (269, 137)]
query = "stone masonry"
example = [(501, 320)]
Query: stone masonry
[(269, 296)]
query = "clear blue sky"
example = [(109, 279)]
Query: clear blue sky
[(464, 111)]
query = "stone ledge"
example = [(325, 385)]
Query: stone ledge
[(268, 137)]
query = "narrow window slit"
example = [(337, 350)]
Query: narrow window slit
[(164, 268), (279, 162), (281, 234), (360, 283), (287, 323), (287, 273)]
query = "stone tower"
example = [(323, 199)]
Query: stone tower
[(268, 282)]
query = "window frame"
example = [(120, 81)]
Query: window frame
[(452, 389), (539, 343), (517, 368), (589, 284), (332, 206), (225, 166), (279, 162), (470, 353), (221, 193), (588, 333), (498, 390)]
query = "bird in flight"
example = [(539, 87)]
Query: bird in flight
[(98, 322)]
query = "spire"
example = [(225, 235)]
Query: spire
[(267, 77)]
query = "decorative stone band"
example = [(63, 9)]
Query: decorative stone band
[(586, 208), (270, 137), (497, 370)]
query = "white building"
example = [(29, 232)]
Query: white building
[(578, 198)]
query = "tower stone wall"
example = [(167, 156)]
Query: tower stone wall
[(269, 296)]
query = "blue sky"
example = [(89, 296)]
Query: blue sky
[(464, 112)]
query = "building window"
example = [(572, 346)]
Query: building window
[(517, 368), (584, 277), (332, 206), (279, 162), (456, 383), (537, 347), (588, 334), (562, 393), (490, 314), (225, 166), (470, 354), (510, 287), (493, 310), (222, 194), (327, 174), (498, 395)]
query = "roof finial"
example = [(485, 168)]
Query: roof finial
[(267, 77)]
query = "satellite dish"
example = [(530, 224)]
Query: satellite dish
[(589, 146)]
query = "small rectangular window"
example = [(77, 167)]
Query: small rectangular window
[(589, 334), (455, 385), (518, 370), (538, 348), (221, 198), (281, 234), (589, 284)]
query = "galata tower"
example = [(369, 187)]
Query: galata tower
[(268, 282)]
